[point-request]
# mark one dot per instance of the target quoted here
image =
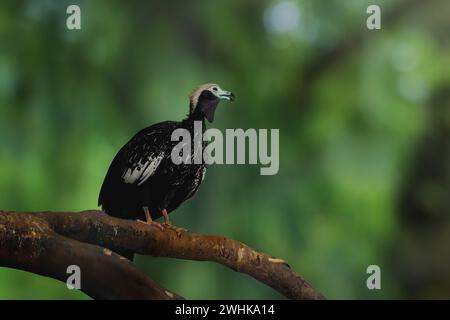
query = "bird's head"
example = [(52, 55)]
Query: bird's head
[(204, 100)]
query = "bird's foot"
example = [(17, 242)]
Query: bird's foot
[(169, 224), (149, 220), (160, 226), (178, 230)]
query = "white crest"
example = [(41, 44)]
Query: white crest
[(193, 98)]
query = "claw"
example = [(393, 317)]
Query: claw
[(160, 226), (178, 230), (169, 224), (149, 220)]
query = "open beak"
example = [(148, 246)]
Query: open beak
[(226, 95)]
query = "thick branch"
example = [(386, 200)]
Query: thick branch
[(97, 228), (27, 242)]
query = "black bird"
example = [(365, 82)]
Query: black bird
[(142, 181)]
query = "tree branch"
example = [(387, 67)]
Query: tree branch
[(55, 240), (29, 243)]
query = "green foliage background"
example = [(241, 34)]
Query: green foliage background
[(349, 129)]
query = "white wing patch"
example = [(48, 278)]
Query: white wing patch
[(140, 173)]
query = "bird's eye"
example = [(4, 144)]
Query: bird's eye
[(214, 88)]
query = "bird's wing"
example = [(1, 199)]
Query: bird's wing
[(142, 155), (138, 159), (138, 172)]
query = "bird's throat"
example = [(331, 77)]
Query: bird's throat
[(209, 110), (205, 109)]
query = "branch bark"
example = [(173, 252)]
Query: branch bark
[(47, 242), (29, 243)]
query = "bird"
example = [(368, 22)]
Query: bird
[(142, 182)]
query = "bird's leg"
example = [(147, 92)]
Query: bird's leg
[(166, 217), (149, 219), (169, 224)]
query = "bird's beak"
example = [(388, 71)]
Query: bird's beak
[(226, 95)]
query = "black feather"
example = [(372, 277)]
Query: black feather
[(166, 188)]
